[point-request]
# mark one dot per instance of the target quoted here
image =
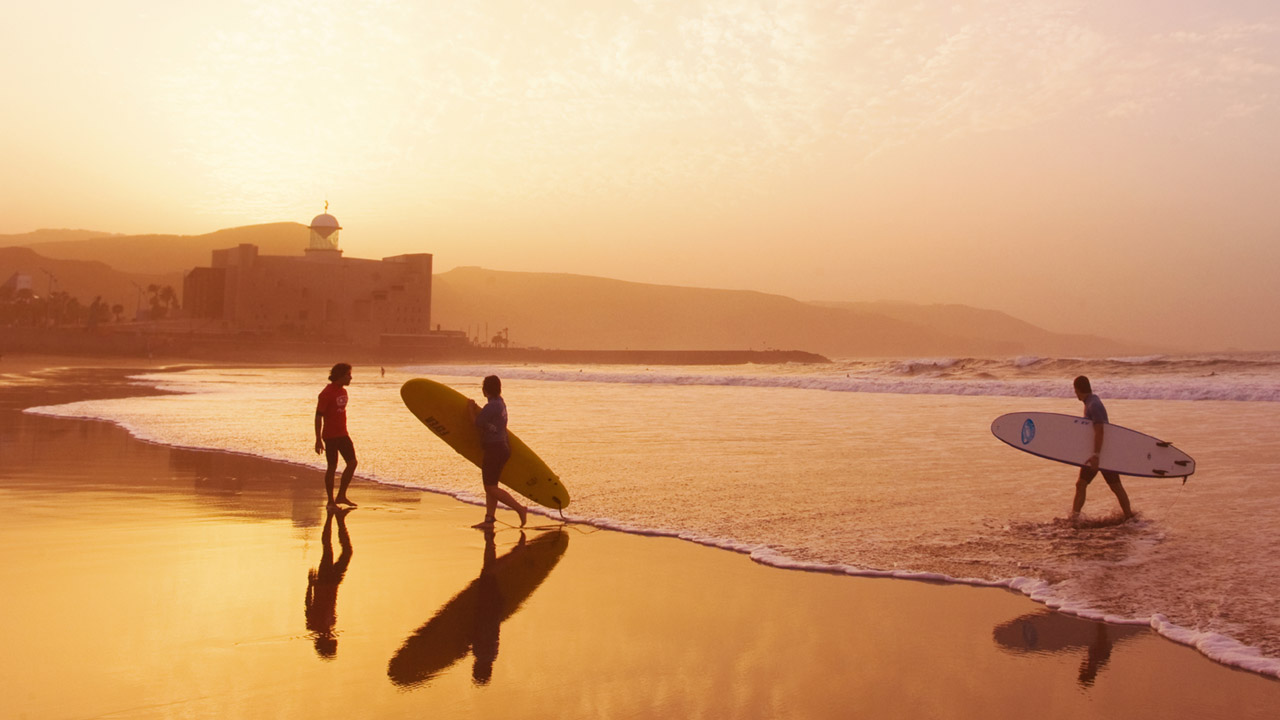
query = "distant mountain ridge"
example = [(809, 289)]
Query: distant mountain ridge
[(977, 323), (159, 254), (50, 235), (564, 311), (583, 312)]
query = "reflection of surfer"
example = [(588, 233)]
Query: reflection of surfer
[(1095, 411), (469, 623), (1099, 654), (489, 614), (492, 423), (322, 586)]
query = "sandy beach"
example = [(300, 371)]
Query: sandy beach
[(153, 582)]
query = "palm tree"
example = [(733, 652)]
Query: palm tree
[(161, 299), (169, 297)]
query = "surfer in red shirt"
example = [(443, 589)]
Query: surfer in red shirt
[(331, 433)]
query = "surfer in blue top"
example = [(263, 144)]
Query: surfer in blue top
[(492, 423), (1097, 412)]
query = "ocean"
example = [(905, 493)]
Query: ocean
[(862, 467)]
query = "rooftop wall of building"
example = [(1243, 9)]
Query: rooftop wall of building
[(353, 299)]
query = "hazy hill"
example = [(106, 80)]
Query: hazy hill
[(574, 311), (49, 236), (566, 311), (983, 324), (161, 253), (83, 279)]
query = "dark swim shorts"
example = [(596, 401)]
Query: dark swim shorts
[(495, 458), (339, 446), (1088, 475)]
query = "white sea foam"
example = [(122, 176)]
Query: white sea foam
[(1235, 389)]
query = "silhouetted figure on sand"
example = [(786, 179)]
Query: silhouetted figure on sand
[(1095, 411), (492, 423), (489, 614), (470, 622), (331, 433), (322, 586)]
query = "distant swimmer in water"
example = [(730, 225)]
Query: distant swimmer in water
[(331, 433), (1095, 411), (492, 423)]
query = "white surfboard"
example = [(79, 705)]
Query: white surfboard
[(1069, 439)]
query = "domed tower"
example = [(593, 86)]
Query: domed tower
[(324, 236)]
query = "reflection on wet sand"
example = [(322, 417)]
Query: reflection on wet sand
[(238, 486), (470, 621), (322, 586), (1050, 632)]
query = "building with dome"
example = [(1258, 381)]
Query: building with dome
[(321, 295)]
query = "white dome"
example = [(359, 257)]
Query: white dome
[(325, 222)]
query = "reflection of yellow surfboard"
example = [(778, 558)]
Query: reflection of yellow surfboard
[(444, 411), (1047, 631), (469, 622)]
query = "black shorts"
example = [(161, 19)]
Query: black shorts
[(1088, 474), (495, 458), (339, 446)]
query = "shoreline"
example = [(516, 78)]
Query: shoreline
[(933, 602), (1221, 649)]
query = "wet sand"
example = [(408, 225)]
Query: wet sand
[(146, 581)]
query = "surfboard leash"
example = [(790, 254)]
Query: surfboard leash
[(1181, 490)]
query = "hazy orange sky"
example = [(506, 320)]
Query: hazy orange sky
[(1105, 167)]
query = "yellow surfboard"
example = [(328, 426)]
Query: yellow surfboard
[(444, 411)]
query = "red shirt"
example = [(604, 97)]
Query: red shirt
[(333, 407)]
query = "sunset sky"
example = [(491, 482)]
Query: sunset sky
[(1105, 166)]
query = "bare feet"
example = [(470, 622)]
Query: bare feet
[(487, 524), (523, 512), (345, 501)]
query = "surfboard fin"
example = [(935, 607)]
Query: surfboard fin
[(1162, 443), (1183, 463), (1161, 473)]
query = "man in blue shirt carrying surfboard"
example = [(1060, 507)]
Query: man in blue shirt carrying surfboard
[(1095, 411)]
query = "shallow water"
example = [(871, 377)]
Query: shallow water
[(857, 467)]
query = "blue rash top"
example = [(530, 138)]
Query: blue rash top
[(492, 422), (1094, 409)]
